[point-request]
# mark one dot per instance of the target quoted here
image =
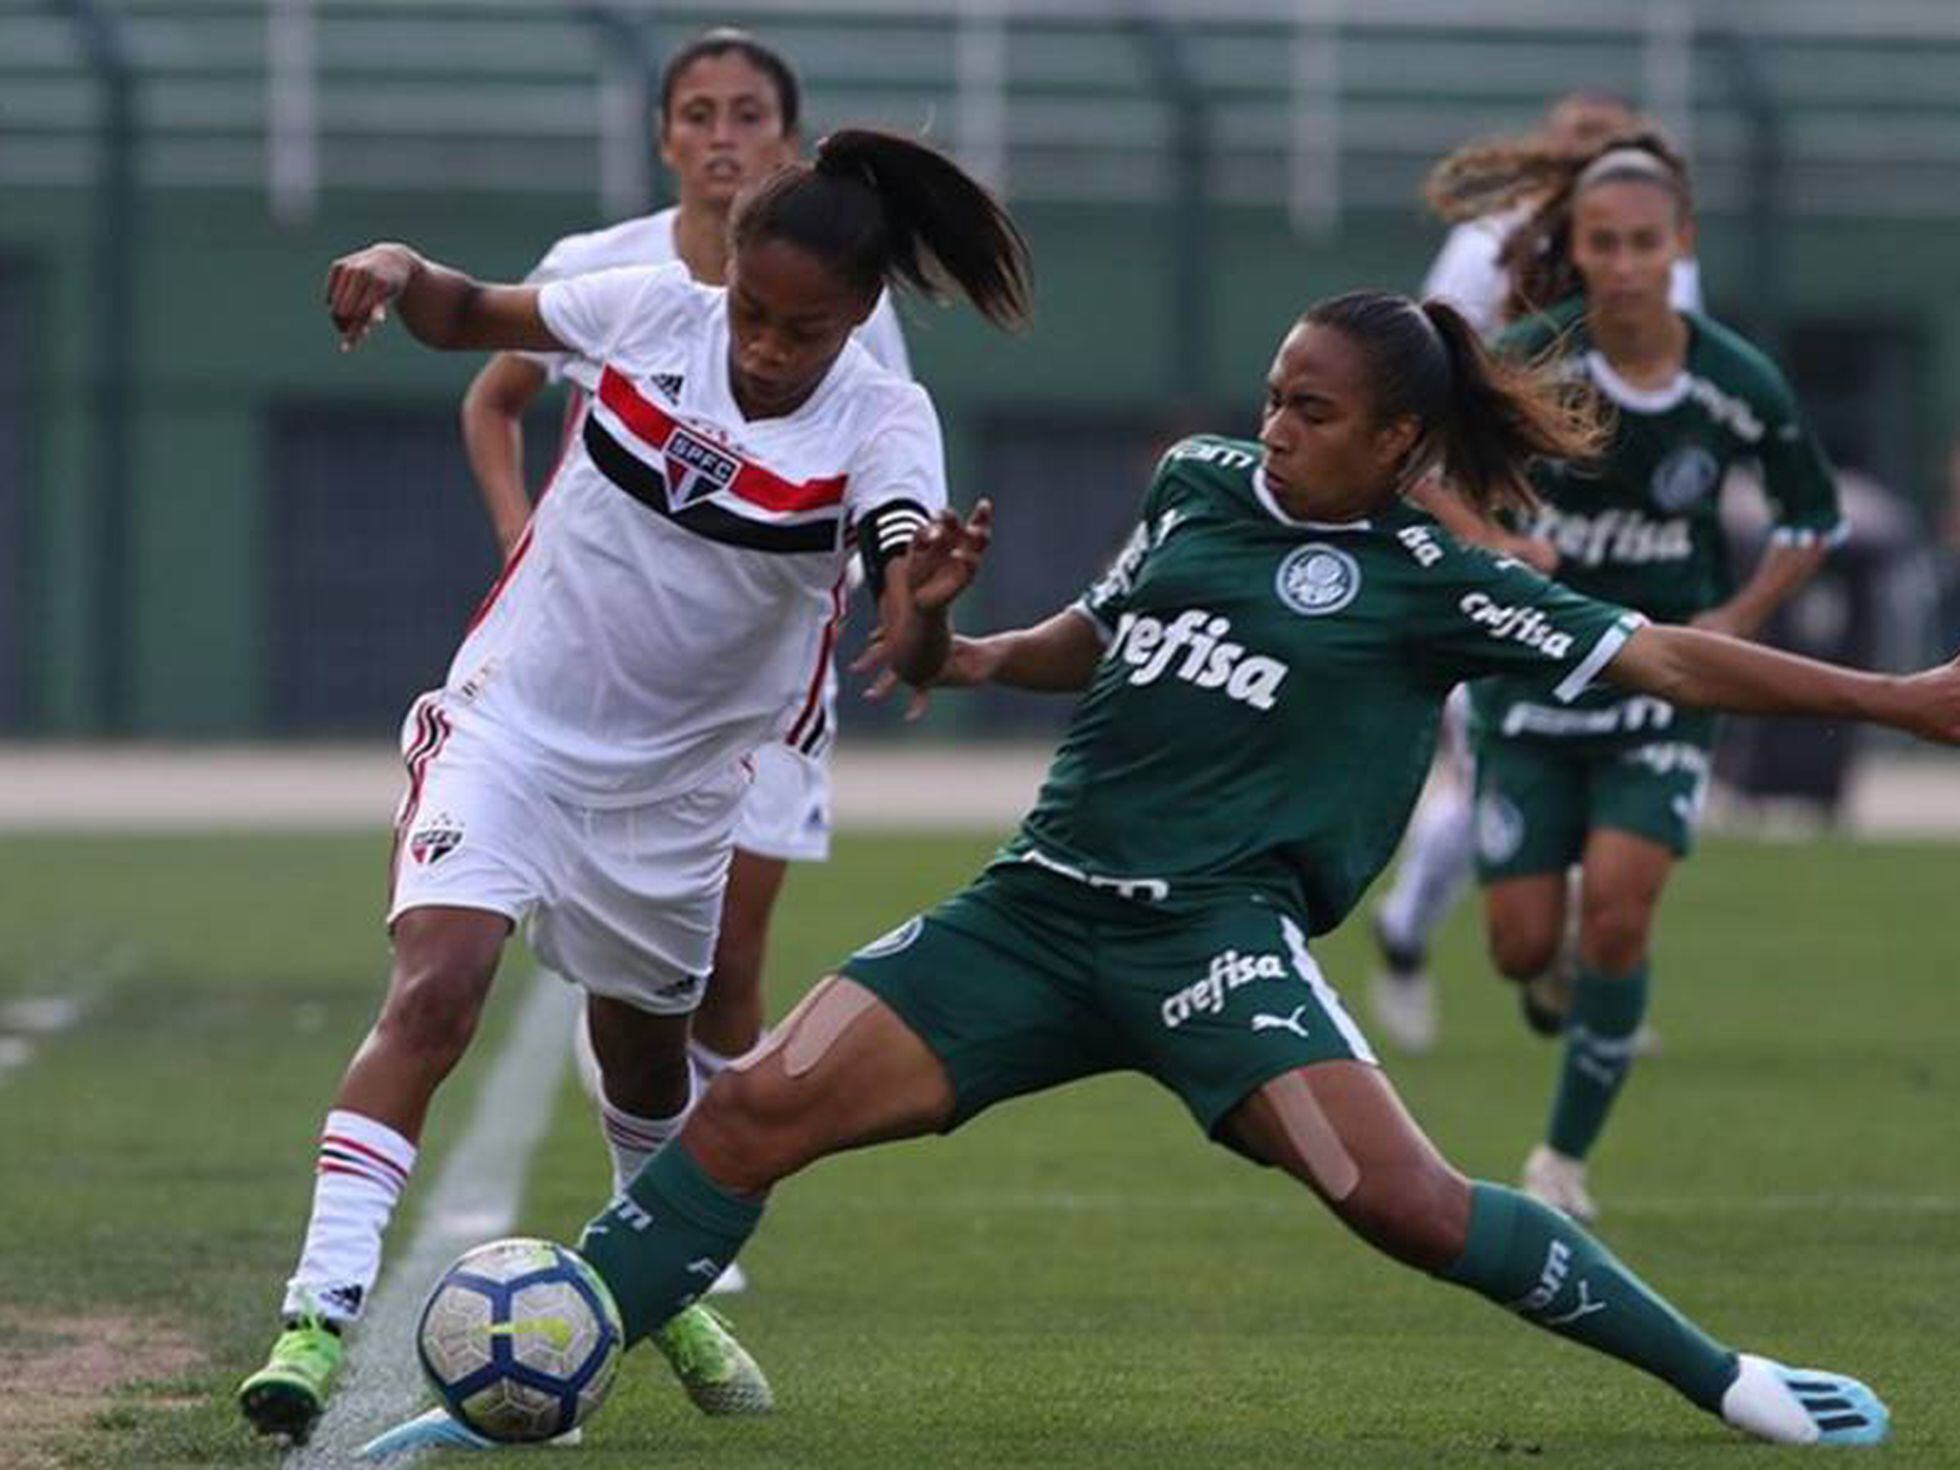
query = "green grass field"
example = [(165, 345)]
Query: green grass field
[(1073, 1280)]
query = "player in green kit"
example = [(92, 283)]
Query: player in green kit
[(1613, 782), (1260, 676)]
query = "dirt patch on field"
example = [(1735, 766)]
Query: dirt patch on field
[(60, 1373)]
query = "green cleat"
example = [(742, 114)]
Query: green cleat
[(716, 1370), (288, 1395)]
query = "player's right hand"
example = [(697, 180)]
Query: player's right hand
[(360, 286)]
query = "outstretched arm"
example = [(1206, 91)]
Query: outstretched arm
[(439, 306), (1713, 671)]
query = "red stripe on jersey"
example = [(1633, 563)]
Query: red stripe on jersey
[(503, 578), (654, 426), (575, 402), (813, 701)]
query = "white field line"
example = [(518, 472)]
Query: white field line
[(474, 1198)]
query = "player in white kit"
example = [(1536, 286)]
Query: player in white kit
[(1439, 850), (672, 604), (729, 110)]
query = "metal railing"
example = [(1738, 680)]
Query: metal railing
[(1327, 106)]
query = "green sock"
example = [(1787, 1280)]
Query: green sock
[(662, 1243), (1532, 1260), (1606, 1012)]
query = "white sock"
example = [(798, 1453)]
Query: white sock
[(1437, 857), (707, 1063), (633, 1140), (363, 1167)]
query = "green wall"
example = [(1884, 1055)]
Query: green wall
[(229, 323)]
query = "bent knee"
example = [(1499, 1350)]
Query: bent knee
[(1521, 951), (1418, 1214), (433, 1007), (1613, 934), (749, 1130)]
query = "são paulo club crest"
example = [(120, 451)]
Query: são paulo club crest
[(1317, 579), (435, 839), (696, 469)]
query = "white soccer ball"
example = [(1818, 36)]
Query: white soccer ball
[(520, 1340)]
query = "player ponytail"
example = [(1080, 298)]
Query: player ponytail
[(883, 210), (1485, 179), (1482, 419)]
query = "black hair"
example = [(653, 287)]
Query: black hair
[(726, 40), (1482, 418), (884, 210)]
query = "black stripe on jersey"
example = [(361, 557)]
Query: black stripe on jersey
[(884, 533), (704, 518)]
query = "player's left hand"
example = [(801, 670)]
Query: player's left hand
[(944, 558)]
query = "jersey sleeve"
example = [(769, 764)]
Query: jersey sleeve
[(1106, 599), (897, 481), (1486, 614), (1797, 477), (556, 265), (595, 315)]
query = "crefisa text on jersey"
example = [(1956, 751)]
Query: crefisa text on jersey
[(1150, 646), (1518, 622)]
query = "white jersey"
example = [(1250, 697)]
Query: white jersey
[(649, 240), (1466, 273), (675, 600)]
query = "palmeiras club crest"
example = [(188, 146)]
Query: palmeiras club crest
[(435, 839), (695, 468)]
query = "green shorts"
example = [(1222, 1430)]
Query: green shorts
[(1026, 980), (1537, 799)]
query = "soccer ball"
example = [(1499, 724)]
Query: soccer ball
[(520, 1340)]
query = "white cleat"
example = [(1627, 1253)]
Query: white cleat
[(437, 1429), (732, 1281), (1553, 1179), (1803, 1405), (1404, 1007)]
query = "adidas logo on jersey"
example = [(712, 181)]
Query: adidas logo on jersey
[(1193, 647), (669, 385), (1517, 622)]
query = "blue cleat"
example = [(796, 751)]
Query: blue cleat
[(438, 1429), (1803, 1405)]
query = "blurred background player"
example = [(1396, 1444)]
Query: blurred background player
[(1438, 852), (1616, 783), (730, 115), (581, 769)]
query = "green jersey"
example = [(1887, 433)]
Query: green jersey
[(1642, 527), (1265, 710)]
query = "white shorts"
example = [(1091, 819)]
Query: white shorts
[(786, 813), (623, 902)]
